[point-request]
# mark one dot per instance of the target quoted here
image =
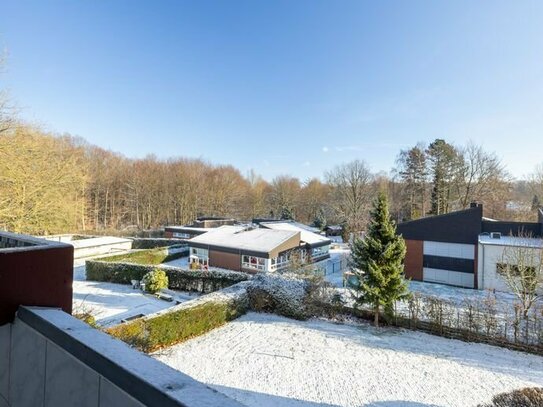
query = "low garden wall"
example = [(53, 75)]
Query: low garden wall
[(184, 321)]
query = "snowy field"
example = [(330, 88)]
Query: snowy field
[(266, 360), (109, 303)]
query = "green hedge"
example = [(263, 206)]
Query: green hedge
[(153, 243), (178, 278), (151, 256), (176, 326)]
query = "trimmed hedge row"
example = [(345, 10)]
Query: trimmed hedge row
[(151, 256), (182, 322), (153, 243), (178, 278)]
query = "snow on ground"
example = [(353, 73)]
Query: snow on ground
[(182, 262), (266, 360), (458, 294), (109, 303), (334, 267)]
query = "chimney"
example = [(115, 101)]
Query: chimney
[(473, 205)]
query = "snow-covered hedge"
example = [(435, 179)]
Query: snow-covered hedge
[(179, 279), (153, 243), (280, 294), (184, 321)]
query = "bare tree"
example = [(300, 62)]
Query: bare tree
[(41, 182), (482, 178), (521, 267), (7, 112), (352, 192), (284, 195), (536, 186)]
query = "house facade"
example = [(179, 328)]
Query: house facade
[(239, 249), (253, 250), (445, 248), (496, 250)]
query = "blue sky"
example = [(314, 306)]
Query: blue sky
[(282, 87)]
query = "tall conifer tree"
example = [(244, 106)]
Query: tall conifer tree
[(378, 262)]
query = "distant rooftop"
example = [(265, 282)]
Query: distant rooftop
[(306, 233), (511, 241)]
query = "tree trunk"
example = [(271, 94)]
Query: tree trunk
[(376, 315)]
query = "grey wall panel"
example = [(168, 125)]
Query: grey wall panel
[(69, 382), (27, 367), (112, 396), (5, 345)]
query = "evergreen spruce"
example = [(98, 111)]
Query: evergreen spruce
[(378, 262), (286, 213), (320, 220), (536, 204)]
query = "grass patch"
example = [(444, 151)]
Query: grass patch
[(151, 256)]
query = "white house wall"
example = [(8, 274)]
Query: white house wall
[(489, 257)]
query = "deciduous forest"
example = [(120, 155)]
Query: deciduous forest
[(51, 183)]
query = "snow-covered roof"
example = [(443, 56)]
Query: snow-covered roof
[(98, 241), (237, 237), (306, 235), (189, 228), (511, 241)]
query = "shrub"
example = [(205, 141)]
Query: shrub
[(153, 243), (155, 281), (281, 294), (526, 397), (319, 296), (87, 318)]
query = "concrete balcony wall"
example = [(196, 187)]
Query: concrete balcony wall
[(48, 358)]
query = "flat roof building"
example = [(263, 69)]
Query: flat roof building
[(265, 249), (444, 248)]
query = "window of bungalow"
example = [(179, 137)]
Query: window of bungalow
[(253, 262)]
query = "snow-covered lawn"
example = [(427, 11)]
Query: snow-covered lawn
[(109, 303), (266, 360), (182, 262)]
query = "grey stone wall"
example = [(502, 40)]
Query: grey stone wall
[(34, 371), (50, 359)]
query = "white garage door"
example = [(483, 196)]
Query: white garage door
[(449, 263)]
